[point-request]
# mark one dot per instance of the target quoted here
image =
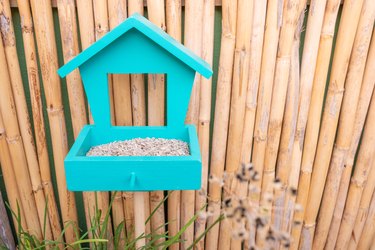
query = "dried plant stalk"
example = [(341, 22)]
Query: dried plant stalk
[(271, 39), (139, 119), (345, 39), (87, 34), (346, 122), (312, 127), (173, 19), (9, 40), (362, 108), (222, 108), (10, 180), (45, 36), (17, 153), (6, 236), (156, 88), (37, 111), (237, 114), (368, 233), (193, 41), (292, 10), (363, 209), (359, 178), (205, 116)]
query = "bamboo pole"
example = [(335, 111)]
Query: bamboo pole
[(282, 213), (363, 209), (139, 220), (139, 119), (10, 181), (358, 180), (307, 148), (156, 88), (173, 19), (237, 114), (288, 172), (256, 45), (87, 34), (362, 108), (292, 10), (45, 35), (204, 120), (368, 233), (17, 152), (345, 39), (37, 111), (222, 108), (346, 122), (271, 38), (193, 40), (23, 116), (122, 103), (6, 236)]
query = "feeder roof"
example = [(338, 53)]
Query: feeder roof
[(148, 29)]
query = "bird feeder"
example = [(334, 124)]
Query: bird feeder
[(136, 46)]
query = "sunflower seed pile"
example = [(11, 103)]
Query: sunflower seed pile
[(141, 147)]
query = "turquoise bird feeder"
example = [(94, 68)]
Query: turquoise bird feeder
[(136, 46)]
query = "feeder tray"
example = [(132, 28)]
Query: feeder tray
[(135, 46)]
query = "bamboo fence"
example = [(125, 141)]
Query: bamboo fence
[(291, 97)]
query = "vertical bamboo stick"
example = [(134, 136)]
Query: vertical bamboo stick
[(173, 19), (17, 153), (237, 114), (10, 180), (222, 108), (101, 28), (289, 173), (22, 114), (279, 221), (85, 11), (306, 149), (362, 108), (368, 233), (259, 18), (346, 122), (292, 10), (205, 115), (6, 236), (271, 39), (258, 29), (117, 10), (45, 35), (361, 172), (139, 219), (363, 209), (345, 39), (193, 41), (36, 104), (139, 119)]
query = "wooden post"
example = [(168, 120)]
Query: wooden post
[(37, 111), (17, 152), (22, 115), (173, 19), (359, 178), (306, 150), (346, 122), (45, 36), (156, 98), (6, 236), (362, 108), (222, 108), (139, 219)]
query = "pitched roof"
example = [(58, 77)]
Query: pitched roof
[(148, 29)]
